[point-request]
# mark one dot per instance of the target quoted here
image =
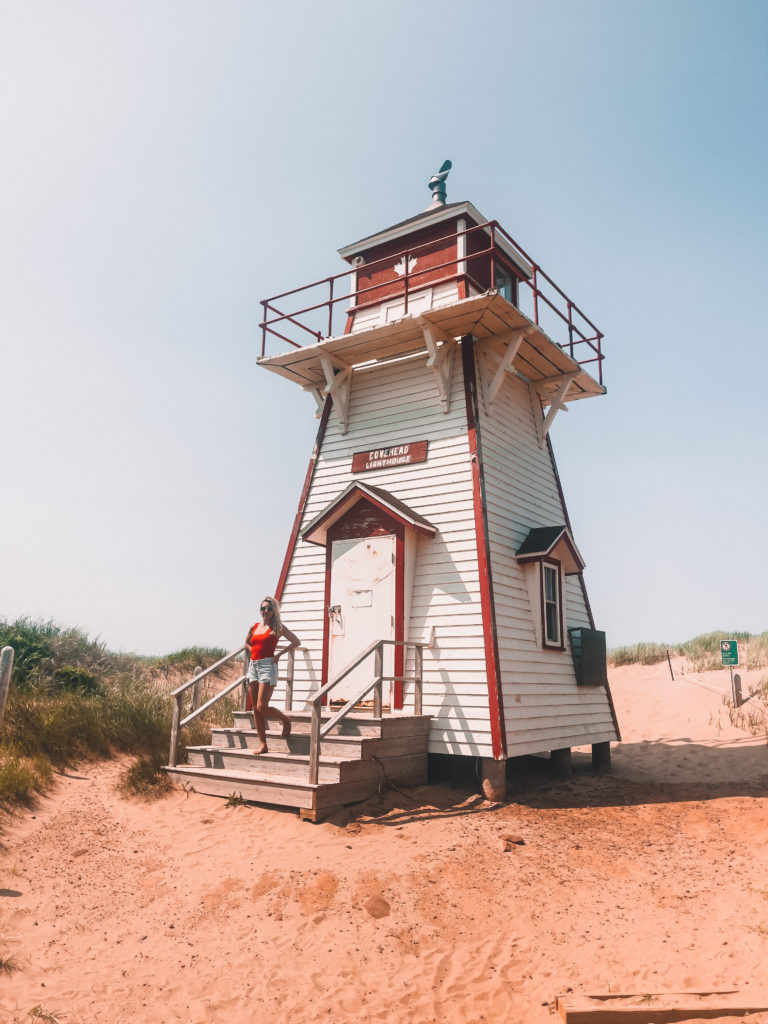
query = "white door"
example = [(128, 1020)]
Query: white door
[(362, 609)]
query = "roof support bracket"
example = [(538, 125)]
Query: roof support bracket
[(338, 384), (513, 340), (440, 360), (556, 402), (319, 397)]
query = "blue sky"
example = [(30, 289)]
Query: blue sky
[(169, 164)]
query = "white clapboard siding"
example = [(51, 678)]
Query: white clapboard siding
[(543, 707), (399, 403), (420, 300), (391, 405)]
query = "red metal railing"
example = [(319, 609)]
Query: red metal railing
[(544, 302)]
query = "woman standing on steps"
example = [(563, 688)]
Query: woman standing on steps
[(262, 672)]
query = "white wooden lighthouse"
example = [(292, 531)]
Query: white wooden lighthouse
[(432, 515)]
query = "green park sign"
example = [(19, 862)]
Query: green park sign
[(729, 652)]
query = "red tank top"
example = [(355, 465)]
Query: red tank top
[(263, 642)]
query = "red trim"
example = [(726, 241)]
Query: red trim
[(359, 495), (495, 700), (326, 621), (399, 660), (581, 577), (557, 566), (303, 499)]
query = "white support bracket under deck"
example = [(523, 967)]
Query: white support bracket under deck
[(319, 397), (556, 402), (338, 384), (513, 340), (440, 360)]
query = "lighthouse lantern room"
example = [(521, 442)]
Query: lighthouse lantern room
[(431, 567)]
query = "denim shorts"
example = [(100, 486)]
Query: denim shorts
[(263, 671)]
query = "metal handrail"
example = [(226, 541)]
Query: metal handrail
[(317, 731), (576, 335), (178, 722)]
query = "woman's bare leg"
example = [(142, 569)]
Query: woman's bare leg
[(265, 711), (261, 725)]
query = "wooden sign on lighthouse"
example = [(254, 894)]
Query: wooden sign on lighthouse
[(432, 517)]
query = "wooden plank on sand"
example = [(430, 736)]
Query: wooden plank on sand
[(658, 1007)]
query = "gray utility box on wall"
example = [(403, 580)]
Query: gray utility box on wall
[(589, 654)]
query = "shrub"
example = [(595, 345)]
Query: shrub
[(70, 678), (21, 777), (43, 648), (71, 698), (145, 779)]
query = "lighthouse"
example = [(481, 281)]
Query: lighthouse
[(432, 549)]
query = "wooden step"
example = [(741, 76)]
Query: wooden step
[(357, 723), (363, 747), (296, 743), (353, 725), (314, 802), (285, 792), (293, 766), (331, 769)]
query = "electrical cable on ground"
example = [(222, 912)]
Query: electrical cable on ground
[(387, 778)]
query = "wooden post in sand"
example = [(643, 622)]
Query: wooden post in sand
[(738, 698), (494, 776), (561, 761), (601, 757), (6, 664)]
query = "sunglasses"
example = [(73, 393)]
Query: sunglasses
[(265, 608)]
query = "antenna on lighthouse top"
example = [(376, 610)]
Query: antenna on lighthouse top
[(437, 185)]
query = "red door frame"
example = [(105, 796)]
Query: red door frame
[(365, 519)]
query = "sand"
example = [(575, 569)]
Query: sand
[(412, 907)]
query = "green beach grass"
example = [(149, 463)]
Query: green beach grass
[(71, 699), (702, 651)]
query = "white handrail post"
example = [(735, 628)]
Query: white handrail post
[(289, 681), (418, 684), (6, 664), (246, 666), (196, 688), (378, 670), (174, 731), (314, 743)]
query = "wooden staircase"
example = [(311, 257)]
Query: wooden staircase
[(358, 754)]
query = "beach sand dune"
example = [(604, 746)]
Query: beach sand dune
[(412, 907)]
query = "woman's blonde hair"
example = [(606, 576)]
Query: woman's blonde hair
[(276, 622)]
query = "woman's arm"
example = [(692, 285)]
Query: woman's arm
[(293, 642)]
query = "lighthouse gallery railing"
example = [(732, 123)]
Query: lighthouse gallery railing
[(313, 321)]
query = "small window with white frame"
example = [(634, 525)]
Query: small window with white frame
[(551, 604)]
